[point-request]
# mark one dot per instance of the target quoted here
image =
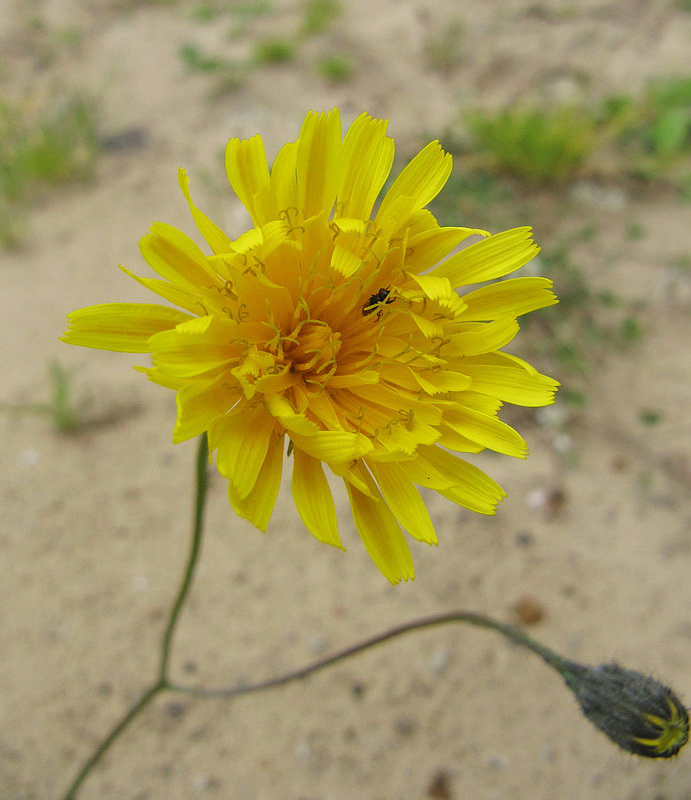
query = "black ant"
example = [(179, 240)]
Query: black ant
[(376, 302)]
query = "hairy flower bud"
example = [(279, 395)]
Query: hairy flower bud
[(637, 712)]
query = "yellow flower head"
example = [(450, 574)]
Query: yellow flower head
[(340, 329)]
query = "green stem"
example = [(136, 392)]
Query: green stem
[(104, 746), (202, 482), (479, 620), (162, 682)]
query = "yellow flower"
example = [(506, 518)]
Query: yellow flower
[(341, 329)]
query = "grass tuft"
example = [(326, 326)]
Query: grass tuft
[(335, 68), (540, 146), (319, 14), (40, 146)]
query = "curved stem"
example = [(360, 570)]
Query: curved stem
[(162, 683), (517, 636), (201, 483), (99, 752)]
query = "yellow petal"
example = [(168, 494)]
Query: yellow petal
[(475, 401), (279, 381), (319, 162), (398, 214), (428, 248), (177, 258), (258, 505), (313, 499), (284, 185), (453, 440), (404, 501), (455, 478), (351, 381), (294, 422), (169, 291), (194, 347), (217, 239), (442, 381), (381, 535), (322, 407), (509, 298), (123, 327), (248, 171), (421, 221), (440, 291), (199, 403), (491, 258), (367, 159), (242, 439), (512, 385), (333, 446), (156, 376), (351, 474), (430, 329), (422, 179), (487, 431), (484, 337), (345, 261)]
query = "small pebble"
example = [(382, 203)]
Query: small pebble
[(440, 787), (28, 457), (405, 726), (440, 660), (316, 642), (524, 539), (498, 762), (358, 690), (175, 709), (529, 610)]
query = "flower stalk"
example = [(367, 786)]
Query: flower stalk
[(638, 713), (162, 682)]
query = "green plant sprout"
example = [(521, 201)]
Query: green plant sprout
[(196, 61), (537, 145), (274, 51), (65, 413), (319, 14), (244, 13), (655, 131), (42, 145), (335, 68), (445, 51)]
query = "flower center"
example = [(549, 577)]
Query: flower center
[(311, 350)]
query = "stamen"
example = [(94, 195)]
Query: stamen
[(285, 215)]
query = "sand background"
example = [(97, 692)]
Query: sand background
[(94, 527)]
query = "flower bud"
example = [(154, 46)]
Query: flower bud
[(637, 712)]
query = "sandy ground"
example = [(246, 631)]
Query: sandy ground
[(94, 528)]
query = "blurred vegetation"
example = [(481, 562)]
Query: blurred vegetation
[(445, 51), (336, 68), (644, 138), (62, 408), (318, 15), (534, 144), (274, 51), (586, 321), (522, 163), (655, 135), (42, 145), (230, 74)]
